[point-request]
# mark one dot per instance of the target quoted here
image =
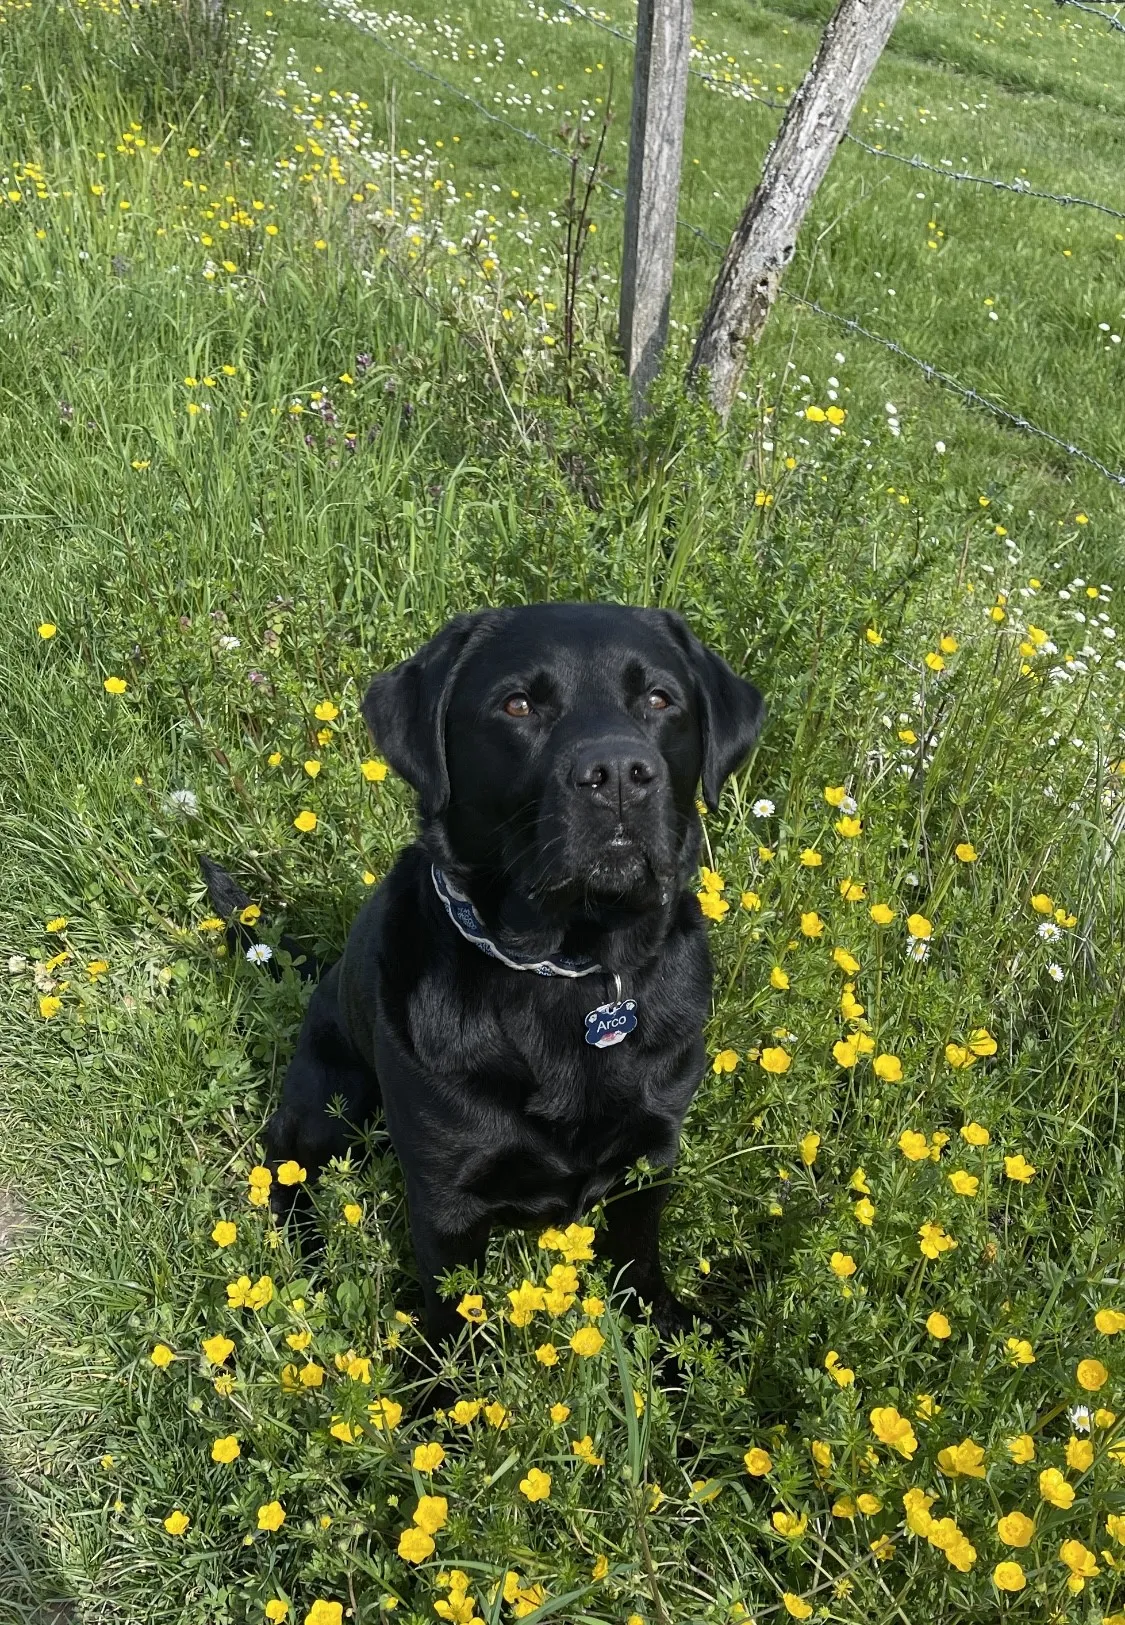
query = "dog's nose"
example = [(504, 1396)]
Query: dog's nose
[(614, 772)]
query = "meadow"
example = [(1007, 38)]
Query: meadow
[(302, 351)]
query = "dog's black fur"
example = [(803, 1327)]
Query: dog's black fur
[(555, 751)]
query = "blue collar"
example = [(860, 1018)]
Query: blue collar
[(465, 917)]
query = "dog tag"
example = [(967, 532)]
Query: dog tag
[(610, 1023)]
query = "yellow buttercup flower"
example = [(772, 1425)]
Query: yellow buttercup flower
[(587, 1341), (933, 1240), (842, 1375), (964, 1460), (1054, 1488), (414, 1545), (1015, 1529), (1078, 1559), (775, 1060), (323, 1612), (1091, 1375), (1079, 1454), (427, 1458), (790, 1524), (1008, 1577), (892, 1429)]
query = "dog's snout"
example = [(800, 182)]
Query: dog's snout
[(614, 771)]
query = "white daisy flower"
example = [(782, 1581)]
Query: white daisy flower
[(762, 808), (259, 953), (1049, 931), (1055, 972)]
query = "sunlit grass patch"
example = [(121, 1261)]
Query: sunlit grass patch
[(241, 474)]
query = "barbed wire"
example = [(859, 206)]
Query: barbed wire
[(964, 390), (929, 371), (986, 180), (724, 88), (1113, 22)]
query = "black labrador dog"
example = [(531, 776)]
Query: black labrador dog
[(524, 994)]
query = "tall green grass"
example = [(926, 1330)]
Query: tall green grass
[(389, 446)]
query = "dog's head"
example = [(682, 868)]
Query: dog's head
[(556, 748)]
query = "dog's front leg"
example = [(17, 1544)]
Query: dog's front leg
[(436, 1252), (631, 1241)]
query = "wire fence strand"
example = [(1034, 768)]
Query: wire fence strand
[(1095, 11), (932, 373), (967, 393), (1018, 187)]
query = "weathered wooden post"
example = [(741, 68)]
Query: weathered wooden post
[(795, 165), (656, 145)]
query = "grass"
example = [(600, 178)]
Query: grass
[(381, 438)]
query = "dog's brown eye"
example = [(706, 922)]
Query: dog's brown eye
[(658, 700), (517, 705)]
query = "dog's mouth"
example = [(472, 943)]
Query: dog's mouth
[(621, 867), (621, 870)]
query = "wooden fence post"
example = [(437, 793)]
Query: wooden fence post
[(656, 144), (795, 165)]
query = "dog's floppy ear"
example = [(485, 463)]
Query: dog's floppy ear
[(405, 708), (731, 710)]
